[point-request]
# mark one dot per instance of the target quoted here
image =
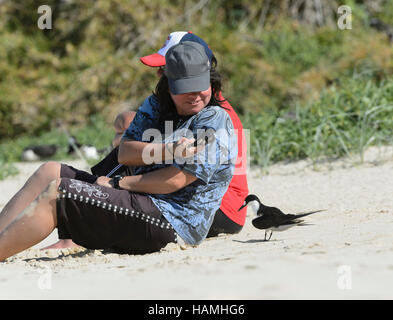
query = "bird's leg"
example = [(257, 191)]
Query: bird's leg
[(271, 232), (265, 235)]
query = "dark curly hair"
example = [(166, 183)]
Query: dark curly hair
[(168, 110)]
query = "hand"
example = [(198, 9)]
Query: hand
[(104, 181), (184, 148)]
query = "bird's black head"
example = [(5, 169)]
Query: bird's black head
[(249, 198)]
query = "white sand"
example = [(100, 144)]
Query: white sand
[(347, 252)]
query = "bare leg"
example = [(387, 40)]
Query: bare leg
[(34, 186), (121, 123), (32, 225)]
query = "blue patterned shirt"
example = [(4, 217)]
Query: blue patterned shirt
[(191, 209)]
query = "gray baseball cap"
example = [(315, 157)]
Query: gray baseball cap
[(187, 68)]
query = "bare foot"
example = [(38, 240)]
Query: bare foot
[(62, 244)]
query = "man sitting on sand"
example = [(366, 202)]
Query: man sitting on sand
[(227, 218), (174, 197)]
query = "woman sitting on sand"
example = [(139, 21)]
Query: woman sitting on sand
[(174, 196)]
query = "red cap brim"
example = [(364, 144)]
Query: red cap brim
[(153, 60)]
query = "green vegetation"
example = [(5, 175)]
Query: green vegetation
[(345, 119), (303, 87)]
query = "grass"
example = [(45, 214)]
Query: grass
[(306, 92), (345, 120)]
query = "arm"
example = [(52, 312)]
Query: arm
[(133, 150), (138, 153), (161, 181)]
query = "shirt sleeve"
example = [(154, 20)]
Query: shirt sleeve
[(145, 118), (217, 154)]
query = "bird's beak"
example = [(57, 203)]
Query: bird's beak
[(245, 203)]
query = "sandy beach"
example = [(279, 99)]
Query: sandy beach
[(345, 253)]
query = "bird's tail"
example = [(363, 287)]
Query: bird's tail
[(307, 213)]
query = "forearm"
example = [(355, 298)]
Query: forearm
[(137, 153), (161, 181)]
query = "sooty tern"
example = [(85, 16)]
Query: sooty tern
[(272, 218)]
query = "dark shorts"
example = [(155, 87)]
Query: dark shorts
[(98, 217)]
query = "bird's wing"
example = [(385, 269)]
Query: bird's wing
[(261, 223), (270, 211)]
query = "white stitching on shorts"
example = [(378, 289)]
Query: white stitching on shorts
[(91, 190), (124, 211)]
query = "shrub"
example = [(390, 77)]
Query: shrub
[(345, 119)]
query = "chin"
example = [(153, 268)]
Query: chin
[(195, 110), (190, 111)]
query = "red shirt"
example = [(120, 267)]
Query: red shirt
[(238, 189)]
